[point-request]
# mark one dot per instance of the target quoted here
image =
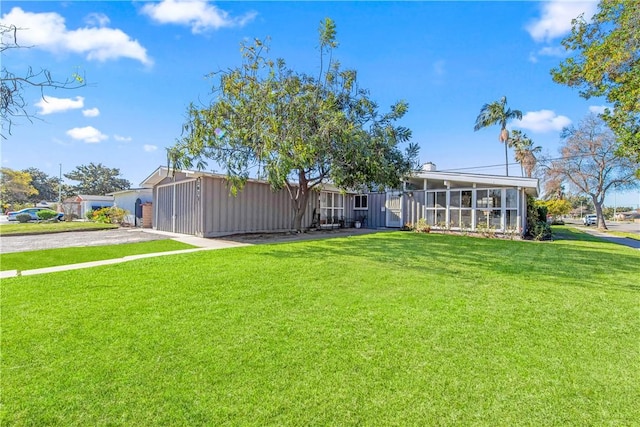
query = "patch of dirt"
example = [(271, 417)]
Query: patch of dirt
[(262, 238)]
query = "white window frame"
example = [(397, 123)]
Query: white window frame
[(361, 197)]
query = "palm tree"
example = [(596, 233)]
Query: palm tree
[(525, 151), (498, 113)]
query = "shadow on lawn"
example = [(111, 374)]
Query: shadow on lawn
[(477, 259)]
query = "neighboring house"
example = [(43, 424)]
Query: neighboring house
[(81, 204), (132, 200), (200, 203)]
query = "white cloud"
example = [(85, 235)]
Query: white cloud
[(149, 148), (97, 20), (91, 112), (199, 15), (556, 18), (543, 121), (50, 104), (597, 109), (88, 134), (48, 31), (122, 138)]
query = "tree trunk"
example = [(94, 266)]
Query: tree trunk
[(598, 205), (506, 159), (299, 201)]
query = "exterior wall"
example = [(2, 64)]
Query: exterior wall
[(204, 207), (127, 200), (376, 215)]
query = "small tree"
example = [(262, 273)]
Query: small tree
[(525, 152), (590, 164), (296, 130)]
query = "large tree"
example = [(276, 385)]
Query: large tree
[(296, 130), (589, 163), (97, 179), (497, 113), (15, 186), (604, 61), (48, 186), (14, 84)]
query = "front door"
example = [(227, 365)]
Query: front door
[(393, 207)]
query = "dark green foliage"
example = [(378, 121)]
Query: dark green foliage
[(97, 179), (23, 218), (603, 62), (537, 226)]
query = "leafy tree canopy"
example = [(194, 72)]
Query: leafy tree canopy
[(97, 179), (46, 185), (605, 62), (291, 126), (15, 186)]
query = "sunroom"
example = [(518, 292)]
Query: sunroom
[(469, 202)]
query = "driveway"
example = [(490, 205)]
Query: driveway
[(75, 238)]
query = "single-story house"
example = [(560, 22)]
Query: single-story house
[(81, 204), (200, 203), (132, 200)]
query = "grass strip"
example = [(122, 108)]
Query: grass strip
[(31, 260), (46, 227)]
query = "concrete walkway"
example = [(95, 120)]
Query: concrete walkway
[(200, 244), (625, 241)]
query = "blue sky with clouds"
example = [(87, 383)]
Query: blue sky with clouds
[(144, 62)]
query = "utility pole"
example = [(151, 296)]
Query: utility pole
[(60, 189)]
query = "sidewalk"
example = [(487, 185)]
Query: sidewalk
[(625, 241)]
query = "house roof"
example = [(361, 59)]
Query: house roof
[(437, 179), (131, 190)]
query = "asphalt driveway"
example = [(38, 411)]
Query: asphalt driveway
[(116, 236)]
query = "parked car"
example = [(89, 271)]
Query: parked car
[(33, 213), (591, 219)]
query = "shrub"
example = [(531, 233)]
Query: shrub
[(537, 226), (46, 215), (89, 215), (111, 215), (541, 231), (421, 226), (23, 218)]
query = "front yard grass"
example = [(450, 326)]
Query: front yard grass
[(62, 256), (383, 329), (45, 227)]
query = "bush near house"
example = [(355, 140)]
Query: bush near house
[(537, 226), (109, 215)]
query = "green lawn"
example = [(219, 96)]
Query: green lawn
[(52, 257), (42, 227), (384, 329)]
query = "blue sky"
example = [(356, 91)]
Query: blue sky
[(145, 62)]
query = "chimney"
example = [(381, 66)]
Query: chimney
[(429, 167)]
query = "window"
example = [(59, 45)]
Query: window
[(331, 207), (436, 208), (361, 202)]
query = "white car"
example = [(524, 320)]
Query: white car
[(590, 220)]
